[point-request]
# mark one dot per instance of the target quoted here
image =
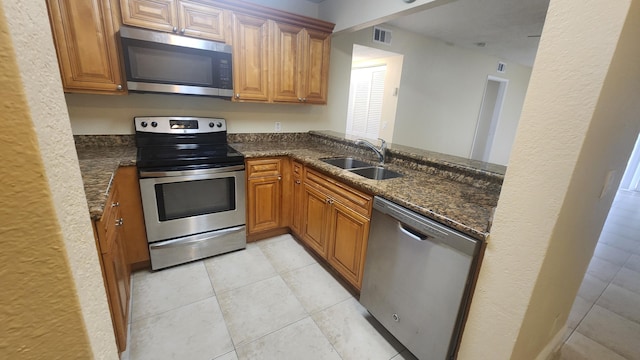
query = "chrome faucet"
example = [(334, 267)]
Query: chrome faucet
[(380, 152)]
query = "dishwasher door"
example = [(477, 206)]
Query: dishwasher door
[(415, 279)]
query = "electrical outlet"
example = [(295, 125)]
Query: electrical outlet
[(278, 127)]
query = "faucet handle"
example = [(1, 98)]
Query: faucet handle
[(383, 144)]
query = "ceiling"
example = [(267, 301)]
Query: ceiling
[(505, 26)]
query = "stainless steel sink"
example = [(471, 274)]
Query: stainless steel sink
[(347, 163), (376, 173)]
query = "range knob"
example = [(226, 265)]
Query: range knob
[(211, 124), (154, 124), (219, 124), (143, 124)]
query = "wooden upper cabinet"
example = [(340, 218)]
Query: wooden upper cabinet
[(287, 60), (184, 17), (203, 21), (250, 60), (85, 41), (151, 14), (300, 64), (315, 68)]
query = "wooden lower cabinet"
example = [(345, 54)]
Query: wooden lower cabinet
[(315, 222), (135, 235), (335, 224), (265, 192), (264, 204), (115, 269), (122, 241), (348, 237), (297, 193)]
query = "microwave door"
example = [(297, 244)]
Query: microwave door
[(171, 67)]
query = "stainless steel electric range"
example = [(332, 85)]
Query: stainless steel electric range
[(193, 189)]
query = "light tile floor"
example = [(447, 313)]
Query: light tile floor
[(604, 323), (270, 301)]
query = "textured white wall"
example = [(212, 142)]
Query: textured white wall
[(578, 123), (440, 92), (102, 114), (29, 26)]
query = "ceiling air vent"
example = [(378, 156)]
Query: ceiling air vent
[(381, 36), (502, 67)]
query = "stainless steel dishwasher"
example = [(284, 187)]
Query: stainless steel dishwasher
[(416, 279)]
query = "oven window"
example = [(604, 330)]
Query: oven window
[(192, 198)]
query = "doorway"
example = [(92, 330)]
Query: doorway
[(490, 111)]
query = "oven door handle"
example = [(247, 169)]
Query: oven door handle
[(153, 174), (195, 238)]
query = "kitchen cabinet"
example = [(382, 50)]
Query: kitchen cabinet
[(297, 194), (300, 64), (314, 73), (135, 236), (336, 221), (250, 61), (122, 242), (264, 194), (84, 35), (184, 17), (115, 269)]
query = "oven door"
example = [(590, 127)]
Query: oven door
[(183, 203)]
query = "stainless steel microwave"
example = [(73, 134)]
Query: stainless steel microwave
[(168, 63)]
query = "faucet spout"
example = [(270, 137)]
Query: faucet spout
[(380, 152)]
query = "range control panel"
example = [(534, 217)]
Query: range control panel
[(179, 125)]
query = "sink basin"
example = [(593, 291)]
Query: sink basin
[(376, 173), (346, 163)]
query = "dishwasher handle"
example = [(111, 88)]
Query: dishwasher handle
[(412, 233)]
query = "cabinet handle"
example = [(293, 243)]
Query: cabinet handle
[(175, 29), (300, 99), (329, 201), (298, 181), (119, 222), (304, 99), (182, 30), (119, 87), (115, 204), (279, 177), (237, 95)]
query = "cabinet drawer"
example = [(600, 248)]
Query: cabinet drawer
[(352, 198), (264, 167), (108, 221)]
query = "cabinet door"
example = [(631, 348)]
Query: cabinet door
[(287, 60), (348, 237), (315, 220), (85, 41), (264, 204), (315, 68), (151, 14), (117, 274), (136, 247), (200, 20), (250, 61), (298, 200)]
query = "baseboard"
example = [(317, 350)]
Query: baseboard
[(553, 346)]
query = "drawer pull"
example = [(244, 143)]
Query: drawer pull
[(298, 182), (119, 222), (115, 204)]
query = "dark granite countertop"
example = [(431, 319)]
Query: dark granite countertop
[(464, 206), (98, 164), (452, 195)]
